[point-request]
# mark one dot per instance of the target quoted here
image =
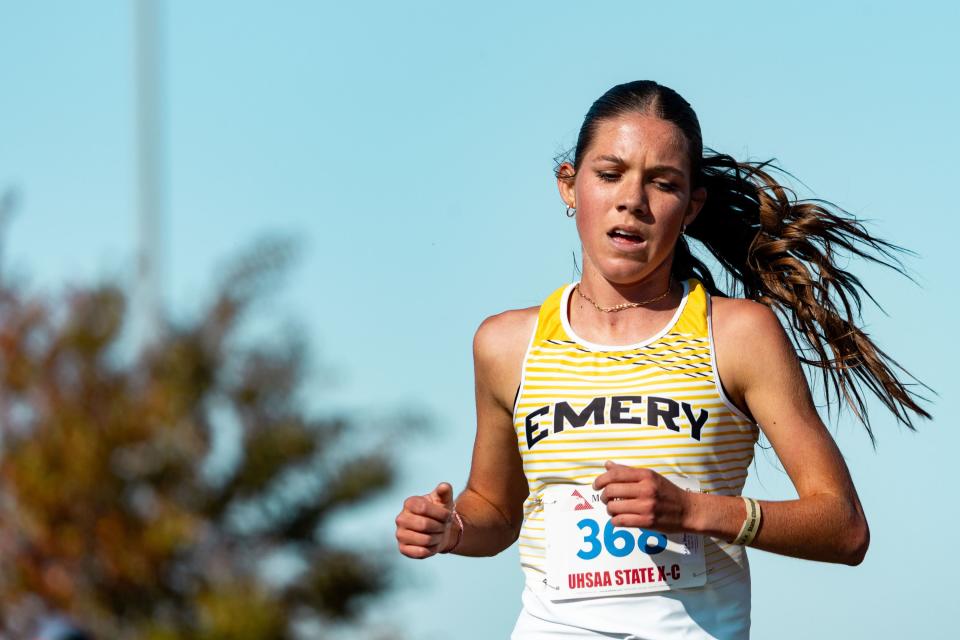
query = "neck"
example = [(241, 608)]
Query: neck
[(610, 294), (629, 325)]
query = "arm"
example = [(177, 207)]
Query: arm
[(491, 506), (763, 377), (826, 522)]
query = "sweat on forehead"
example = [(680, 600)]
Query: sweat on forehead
[(621, 135), (641, 98)]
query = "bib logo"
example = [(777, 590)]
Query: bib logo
[(660, 411), (582, 504)]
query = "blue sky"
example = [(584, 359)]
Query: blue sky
[(409, 146)]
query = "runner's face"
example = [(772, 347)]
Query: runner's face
[(632, 194)]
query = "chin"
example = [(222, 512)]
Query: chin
[(626, 276), (626, 271)]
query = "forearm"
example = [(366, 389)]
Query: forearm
[(821, 527), (487, 529)]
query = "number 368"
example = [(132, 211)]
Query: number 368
[(618, 542)]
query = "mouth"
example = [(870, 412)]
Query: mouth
[(626, 236)]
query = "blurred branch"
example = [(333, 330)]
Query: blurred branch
[(106, 512)]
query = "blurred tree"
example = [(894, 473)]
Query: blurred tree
[(112, 509)]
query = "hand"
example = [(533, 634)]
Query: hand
[(425, 526), (642, 498)]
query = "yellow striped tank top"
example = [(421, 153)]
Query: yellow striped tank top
[(656, 404)]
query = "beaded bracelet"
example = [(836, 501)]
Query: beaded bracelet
[(459, 520)]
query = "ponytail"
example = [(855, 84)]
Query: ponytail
[(782, 252), (776, 250)]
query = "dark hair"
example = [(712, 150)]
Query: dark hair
[(775, 249)]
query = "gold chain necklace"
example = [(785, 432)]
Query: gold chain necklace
[(625, 305)]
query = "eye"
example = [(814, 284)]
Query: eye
[(608, 176), (668, 187)]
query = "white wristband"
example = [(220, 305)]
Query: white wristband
[(751, 524)]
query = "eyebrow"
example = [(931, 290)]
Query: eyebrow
[(660, 168), (613, 159)]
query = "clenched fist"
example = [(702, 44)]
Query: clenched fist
[(426, 526), (637, 497)]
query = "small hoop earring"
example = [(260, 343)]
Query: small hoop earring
[(571, 211)]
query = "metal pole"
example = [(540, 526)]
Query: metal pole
[(150, 165)]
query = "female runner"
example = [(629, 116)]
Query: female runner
[(616, 421)]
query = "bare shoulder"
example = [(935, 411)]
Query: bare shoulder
[(749, 343), (505, 334), (498, 349), (741, 318)]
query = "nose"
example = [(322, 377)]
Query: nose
[(632, 198)]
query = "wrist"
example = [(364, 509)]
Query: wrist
[(713, 515), (454, 532), (692, 519)]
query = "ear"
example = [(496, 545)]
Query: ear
[(697, 199), (565, 183)]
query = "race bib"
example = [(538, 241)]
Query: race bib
[(588, 556)]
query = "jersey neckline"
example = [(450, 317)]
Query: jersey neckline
[(593, 346)]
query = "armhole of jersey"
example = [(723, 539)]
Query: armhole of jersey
[(523, 366), (713, 363)]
